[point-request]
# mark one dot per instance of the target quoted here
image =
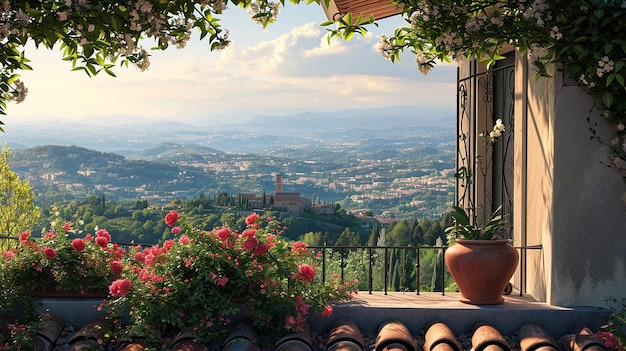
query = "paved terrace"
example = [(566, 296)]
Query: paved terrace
[(417, 312)]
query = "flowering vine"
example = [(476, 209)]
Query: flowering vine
[(586, 36), (97, 34)]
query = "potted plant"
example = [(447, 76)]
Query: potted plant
[(479, 260), (203, 280), (59, 263)]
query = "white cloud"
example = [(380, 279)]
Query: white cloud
[(293, 71)]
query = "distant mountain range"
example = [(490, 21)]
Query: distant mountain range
[(259, 134)]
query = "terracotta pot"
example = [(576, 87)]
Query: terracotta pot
[(482, 269), (50, 290)]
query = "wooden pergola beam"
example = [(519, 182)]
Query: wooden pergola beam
[(379, 8)]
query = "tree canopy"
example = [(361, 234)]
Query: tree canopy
[(17, 208)]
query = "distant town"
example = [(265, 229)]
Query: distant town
[(389, 172)]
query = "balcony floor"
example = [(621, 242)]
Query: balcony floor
[(417, 312)]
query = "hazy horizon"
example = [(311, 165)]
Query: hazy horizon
[(286, 69)]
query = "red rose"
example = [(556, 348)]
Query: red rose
[(139, 257), (305, 273), (103, 233), (78, 244), (261, 250), (67, 226), (50, 253), (248, 233), (327, 312), (299, 248), (116, 266), (102, 241), (250, 244), (119, 287), (223, 234), (171, 218)]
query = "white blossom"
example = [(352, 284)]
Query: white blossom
[(384, 46)]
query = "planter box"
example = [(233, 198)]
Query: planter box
[(75, 311)]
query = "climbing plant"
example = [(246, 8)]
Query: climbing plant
[(95, 35), (586, 36)]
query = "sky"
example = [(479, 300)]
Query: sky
[(285, 69)]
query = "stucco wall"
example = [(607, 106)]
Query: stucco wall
[(535, 134), (573, 201), (567, 201)]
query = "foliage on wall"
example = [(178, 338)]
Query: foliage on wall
[(94, 36), (584, 35)]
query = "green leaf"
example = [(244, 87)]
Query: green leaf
[(609, 79), (607, 99)]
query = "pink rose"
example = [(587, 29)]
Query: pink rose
[(171, 218), (176, 230), (222, 281), (251, 219), (184, 239), (289, 321)]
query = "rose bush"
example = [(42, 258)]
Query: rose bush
[(203, 279), (58, 261)]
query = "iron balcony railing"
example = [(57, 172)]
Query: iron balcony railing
[(417, 250), (329, 256)]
